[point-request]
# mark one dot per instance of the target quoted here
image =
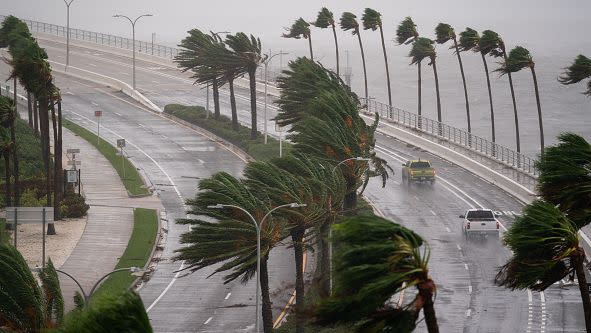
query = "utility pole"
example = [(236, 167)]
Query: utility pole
[(68, 33)]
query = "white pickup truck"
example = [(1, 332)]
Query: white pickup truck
[(480, 223)]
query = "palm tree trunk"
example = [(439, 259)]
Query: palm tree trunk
[(387, 70), (44, 127), (14, 95), (419, 120), (350, 199), (216, 99), (426, 291), (297, 236), (310, 45), (517, 139), (266, 297), (7, 176), (323, 273), (364, 69), (439, 126), (492, 112), (253, 104), (17, 193), (533, 73), (35, 115), (465, 88), (233, 105), (336, 45), (57, 163), (30, 109), (585, 299)]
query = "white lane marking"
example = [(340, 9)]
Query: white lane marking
[(459, 247), (469, 289), (70, 93), (529, 296), (432, 212), (468, 312), (416, 198), (117, 113), (93, 65), (166, 289), (228, 296), (208, 320), (447, 229), (142, 126), (466, 266), (93, 103), (543, 300)]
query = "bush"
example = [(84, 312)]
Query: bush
[(73, 206), (30, 198)]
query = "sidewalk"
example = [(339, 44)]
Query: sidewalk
[(110, 220)]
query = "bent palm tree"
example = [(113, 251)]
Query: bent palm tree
[(379, 259), (349, 22), (248, 51), (373, 20), (299, 29), (423, 48), (7, 120), (486, 45), (520, 58), (546, 249), (444, 33), (578, 71), (324, 20), (564, 177), (407, 33)]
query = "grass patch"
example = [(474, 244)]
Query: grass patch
[(133, 181), (137, 253), (223, 128)]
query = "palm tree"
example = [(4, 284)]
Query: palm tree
[(445, 32), (407, 33), (349, 22), (248, 51), (546, 249), (324, 20), (423, 48), (188, 59), (56, 120), (232, 239), (7, 120), (578, 71), (520, 58), (26, 306), (379, 258), (6, 148), (299, 29), (491, 41), (373, 20), (564, 177)]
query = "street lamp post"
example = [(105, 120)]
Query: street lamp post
[(68, 3), (133, 39), (266, 62), (258, 227)]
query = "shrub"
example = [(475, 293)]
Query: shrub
[(30, 198), (73, 206)]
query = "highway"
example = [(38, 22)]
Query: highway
[(175, 157)]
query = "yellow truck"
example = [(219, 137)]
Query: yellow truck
[(418, 171)]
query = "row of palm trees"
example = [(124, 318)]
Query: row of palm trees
[(216, 62), (490, 43), (333, 158), (31, 68)]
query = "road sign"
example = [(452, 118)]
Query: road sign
[(120, 143), (98, 113), (28, 214), (72, 176), (73, 151), (72, 162)]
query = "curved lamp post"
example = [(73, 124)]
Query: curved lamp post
[(258, 229), (133, 38), (134, 270), (266, 62)]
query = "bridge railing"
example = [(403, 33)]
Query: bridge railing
[(438, 132), (148, 48)]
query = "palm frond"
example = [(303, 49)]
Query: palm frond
[(349, 22), (518, 59), (422, 48), (490, 43), (469, 39), (324, 19), (371, 19), (578, 71), (406, 31), (444, 32), (299, 29)]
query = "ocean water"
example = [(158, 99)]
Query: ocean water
[(554, 32)]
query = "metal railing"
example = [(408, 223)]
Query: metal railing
[(438, 132), (143, 47)]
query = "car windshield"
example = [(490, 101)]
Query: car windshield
[(420, 165), (480, 214)]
